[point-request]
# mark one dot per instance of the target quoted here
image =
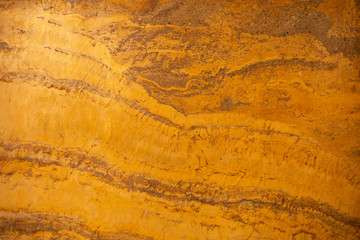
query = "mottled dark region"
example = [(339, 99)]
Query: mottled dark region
[(180, 192), (181, 13), (198, 85), (291, 63), (299, 17), (4, 45), (41, 222), (245, 73), (291, 19), (310, 3), (140, 38), (165, 68), (228, 104), (27, 223), (285, 21), (168, 79)]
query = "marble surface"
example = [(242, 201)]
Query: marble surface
[(167, 119)]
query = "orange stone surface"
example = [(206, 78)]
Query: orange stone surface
[(180, 119)]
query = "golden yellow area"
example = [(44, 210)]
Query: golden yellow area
[(231, 119)]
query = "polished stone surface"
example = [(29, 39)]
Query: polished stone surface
[(231, 119)]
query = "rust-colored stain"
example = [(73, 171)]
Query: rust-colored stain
[(169, 119)]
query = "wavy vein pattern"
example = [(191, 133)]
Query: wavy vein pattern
[(169, 119)]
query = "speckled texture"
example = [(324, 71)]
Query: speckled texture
[(158, 119)]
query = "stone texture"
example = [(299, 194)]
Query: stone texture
[(167, 119)]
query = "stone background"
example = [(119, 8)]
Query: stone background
[(169, 119)]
